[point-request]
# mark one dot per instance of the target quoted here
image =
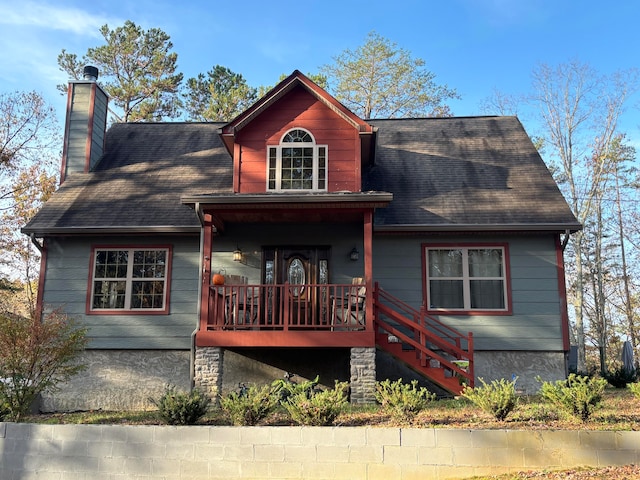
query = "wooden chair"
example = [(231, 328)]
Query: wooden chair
[(348, 311)]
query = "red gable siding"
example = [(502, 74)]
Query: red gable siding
[(298, 109)]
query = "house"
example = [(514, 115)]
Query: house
[(301, 238)]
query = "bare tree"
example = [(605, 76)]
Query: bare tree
[(29, 154), (579, 109)]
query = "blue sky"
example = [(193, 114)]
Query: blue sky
[(474, 46)]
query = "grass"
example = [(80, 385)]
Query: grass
[(620, 410)]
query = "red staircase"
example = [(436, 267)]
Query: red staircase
[(440, 353)]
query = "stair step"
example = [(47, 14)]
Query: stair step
[(430, 368)]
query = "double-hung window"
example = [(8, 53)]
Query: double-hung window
[(130, 279), (297, 163), (467, 278)]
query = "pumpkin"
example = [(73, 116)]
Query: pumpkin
[(218, 279)]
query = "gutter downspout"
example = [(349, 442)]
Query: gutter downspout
[(34, 240), (39, 307), (565, 240), (192, 356)]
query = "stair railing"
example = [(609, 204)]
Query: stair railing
[(428, 334)]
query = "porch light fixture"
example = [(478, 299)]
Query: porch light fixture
[(354, 254), (237, 255)]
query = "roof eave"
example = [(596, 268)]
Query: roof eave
[(495, 227), (288, 198), (98, 230)]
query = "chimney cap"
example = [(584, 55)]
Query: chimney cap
[(90, 73)]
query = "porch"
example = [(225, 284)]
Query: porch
[(286, 315), (336, 315)]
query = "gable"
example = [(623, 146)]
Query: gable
[(299, 109)]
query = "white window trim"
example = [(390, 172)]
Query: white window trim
[(129, 279), (316, 163), (466, 278)]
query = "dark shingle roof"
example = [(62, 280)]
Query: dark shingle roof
[(463, 171), (145, 170), (443, 172)]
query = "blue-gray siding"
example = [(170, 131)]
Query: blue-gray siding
[(534, 325), (536, 320), (250, 238), (67, 277)]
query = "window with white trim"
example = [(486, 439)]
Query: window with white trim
[(466, 278), (297, 163), (129, 279)]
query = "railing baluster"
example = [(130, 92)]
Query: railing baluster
[(328, 307)]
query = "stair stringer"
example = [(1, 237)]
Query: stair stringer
[(413, 341)]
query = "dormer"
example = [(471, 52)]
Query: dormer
[(298, 138)]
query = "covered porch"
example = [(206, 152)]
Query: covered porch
[(292, 283)]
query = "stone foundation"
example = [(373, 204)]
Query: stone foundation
[(127, 379), (550, 366), (120, 380), (363, 375)]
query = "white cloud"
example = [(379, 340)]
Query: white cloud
[(34, 33), (46, 16)]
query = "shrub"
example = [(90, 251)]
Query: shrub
[(36, 356), (285, 388), (319, 408), (635, 389), (181, 408), (250, 406), (403, 401), (497, 398), (577, 395), (620, 377)]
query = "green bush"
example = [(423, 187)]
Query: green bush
[(403, 401), (635, 389), (577, 395), (182, 408), (497, 398), (285, 388), (620, 377), (250, 406), (318, 408)]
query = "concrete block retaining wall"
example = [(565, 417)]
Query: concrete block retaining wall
[(114, 452)]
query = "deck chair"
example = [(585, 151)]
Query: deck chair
[(348, 311)]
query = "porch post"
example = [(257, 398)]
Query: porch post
[(207, 229), (368, 268), (363, 375), (208, 371)]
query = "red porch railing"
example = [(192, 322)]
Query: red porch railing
[(440, 352), (315, 307)]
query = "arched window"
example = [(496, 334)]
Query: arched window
[(297, 163)]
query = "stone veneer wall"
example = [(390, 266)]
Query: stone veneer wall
[(55, 452), (550, 366), (120, 380), (363, 375), (208, 370)]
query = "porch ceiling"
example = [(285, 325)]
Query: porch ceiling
[(286, 216)]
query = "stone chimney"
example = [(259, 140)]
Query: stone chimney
[(85, 125)]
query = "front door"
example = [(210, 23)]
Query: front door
[(303, 270)]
